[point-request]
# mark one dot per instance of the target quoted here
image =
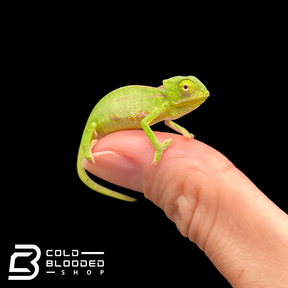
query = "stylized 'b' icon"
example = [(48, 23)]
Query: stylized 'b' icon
[(13, 269)]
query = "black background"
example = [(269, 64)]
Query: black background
[(56, 75)]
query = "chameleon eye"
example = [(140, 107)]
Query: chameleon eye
[(186, 87)]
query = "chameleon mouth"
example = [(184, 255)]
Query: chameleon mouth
[(197, 100), (206, 93)]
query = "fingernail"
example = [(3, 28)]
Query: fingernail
[(117, 169)]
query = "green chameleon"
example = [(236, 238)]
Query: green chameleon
[(134, 107)]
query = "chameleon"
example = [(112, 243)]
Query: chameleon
[(136, 107)]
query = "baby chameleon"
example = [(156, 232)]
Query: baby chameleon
[(134, 107)]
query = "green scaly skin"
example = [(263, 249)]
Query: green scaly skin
[(134, 107)]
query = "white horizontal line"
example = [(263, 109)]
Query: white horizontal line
[(50, 271), (91, 253)]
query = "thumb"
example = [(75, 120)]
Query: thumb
[(242, 232)]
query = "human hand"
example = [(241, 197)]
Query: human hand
[(212, 203)]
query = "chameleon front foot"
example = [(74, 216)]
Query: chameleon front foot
[(159, 151), (188, 136), (178, 128)]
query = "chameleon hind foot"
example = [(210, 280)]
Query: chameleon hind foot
[(159, 151), (93, 143)]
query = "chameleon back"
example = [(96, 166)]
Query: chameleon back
[(123, 108)]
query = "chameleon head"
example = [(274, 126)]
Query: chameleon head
[(185, 91)]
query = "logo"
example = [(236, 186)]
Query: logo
[(15, 255), (56, 262)]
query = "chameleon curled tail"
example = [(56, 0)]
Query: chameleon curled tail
[(93, 185)]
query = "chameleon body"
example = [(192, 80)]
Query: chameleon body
[(134, 107)]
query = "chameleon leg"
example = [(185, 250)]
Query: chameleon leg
[(179, 129), (159, 147), (93, 143)]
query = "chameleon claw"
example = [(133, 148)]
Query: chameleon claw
[(157, 158), (154, 163), (188, 136)]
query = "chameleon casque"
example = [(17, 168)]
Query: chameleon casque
[(134, 107)]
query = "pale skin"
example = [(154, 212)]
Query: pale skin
[(242, 232), (134, 107)]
